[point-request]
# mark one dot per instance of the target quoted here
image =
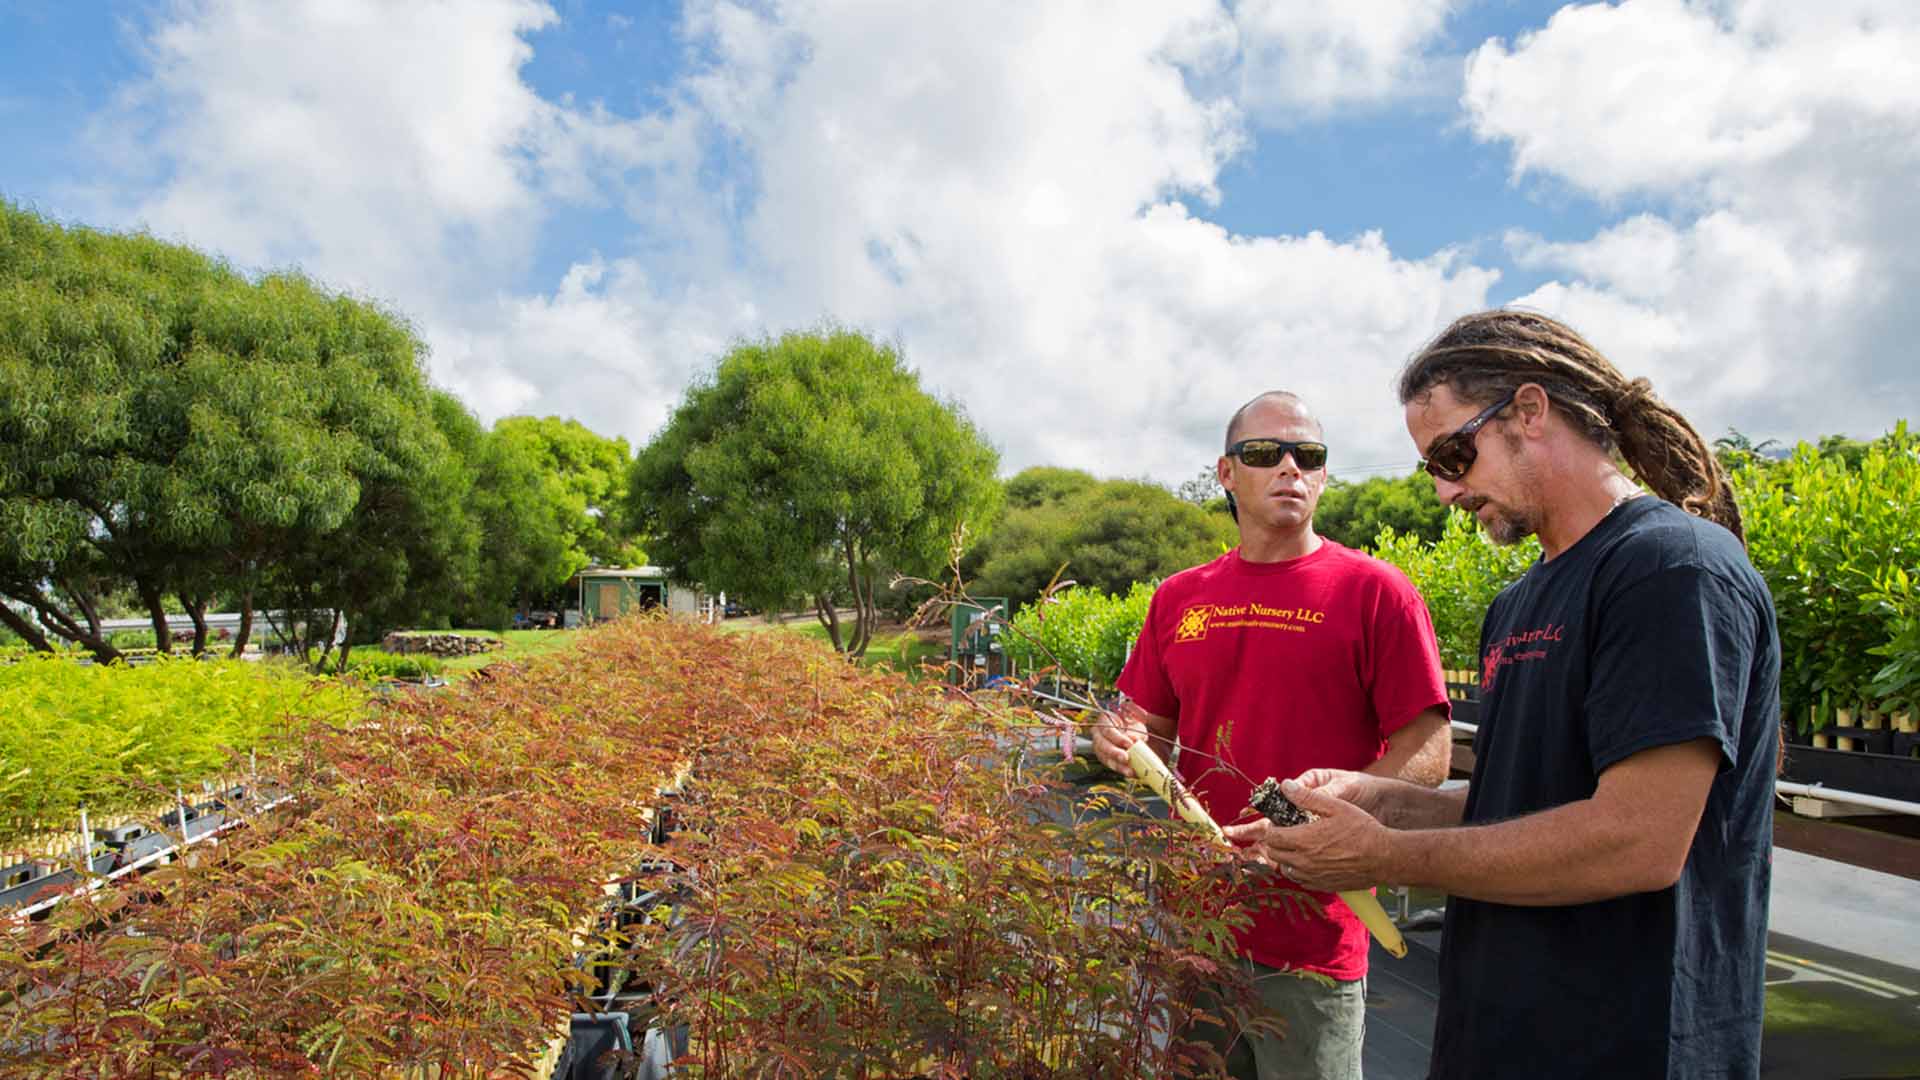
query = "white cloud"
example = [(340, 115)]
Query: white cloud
[(998, 195), (1779, 141), (1010, 216), (1313, 57)]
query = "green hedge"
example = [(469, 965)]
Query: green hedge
[(1085, 633), (117, 738), (1459, 575), (1836, 536), (1839, 545)]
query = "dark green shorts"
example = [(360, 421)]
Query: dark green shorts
[(1324, 1029)]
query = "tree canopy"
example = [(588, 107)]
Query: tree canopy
[(1107, 534), (1355, 513), (585, 475), (173, 430), (804, 466)]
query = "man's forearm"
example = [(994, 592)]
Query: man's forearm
[(1416, 806), (1567, 855)]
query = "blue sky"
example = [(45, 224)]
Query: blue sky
[(1077, 219)]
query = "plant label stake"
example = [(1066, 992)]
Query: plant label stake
[(1154, 772)]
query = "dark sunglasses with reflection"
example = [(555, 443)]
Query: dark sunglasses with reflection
[(1266, 453), (1453, 455)]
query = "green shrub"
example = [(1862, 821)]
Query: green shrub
[(133, 639), (1084, 632), (117, 738), (1837, 538), (1459, 575), (372, 665)]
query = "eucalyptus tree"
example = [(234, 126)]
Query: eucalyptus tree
[(159, 425), (803, 466)]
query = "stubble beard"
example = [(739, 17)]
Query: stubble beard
[(1509, 527)]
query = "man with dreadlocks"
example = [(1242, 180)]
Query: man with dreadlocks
[(1609, 862)]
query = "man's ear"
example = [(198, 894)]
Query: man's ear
[(1531, 406)]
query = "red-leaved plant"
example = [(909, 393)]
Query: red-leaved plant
[(869, 882)]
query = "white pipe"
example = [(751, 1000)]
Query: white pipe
[(1853, 798), (1812, 791)]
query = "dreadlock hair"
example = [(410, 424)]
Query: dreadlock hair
[(1484, 356)]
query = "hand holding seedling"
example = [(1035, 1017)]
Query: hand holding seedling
[(1341, 848), (1114, 734)]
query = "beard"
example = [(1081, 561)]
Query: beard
[(1507, 526)]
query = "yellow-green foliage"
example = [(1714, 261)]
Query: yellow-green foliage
[(117, 738), (1084, 632), (1837, 536), (1459, 575)]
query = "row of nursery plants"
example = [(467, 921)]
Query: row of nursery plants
[(1836, 537), (1079, 633), (116, 739), (869, 879), (371, 665), (1839, 545)]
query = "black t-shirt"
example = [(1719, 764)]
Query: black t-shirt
[(1652, 629)]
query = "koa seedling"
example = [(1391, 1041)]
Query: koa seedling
[(1271, 804)]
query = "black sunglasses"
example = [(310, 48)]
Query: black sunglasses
[(1266, 453), (1451, 457)]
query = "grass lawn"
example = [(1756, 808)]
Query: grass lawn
[(521, 645), (893, 645)]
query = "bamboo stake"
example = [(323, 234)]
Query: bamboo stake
[(1155, 774)]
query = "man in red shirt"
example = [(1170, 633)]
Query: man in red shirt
[(1288, 653)]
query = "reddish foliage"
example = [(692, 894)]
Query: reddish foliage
[(870, 882)]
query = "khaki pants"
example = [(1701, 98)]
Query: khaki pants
[(1324, 1029)]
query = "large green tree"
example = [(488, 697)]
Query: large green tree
[(1355, 513), (1103, 534), (162, 426), (406, 552), (519, 521), (805, 465), (585, 474)]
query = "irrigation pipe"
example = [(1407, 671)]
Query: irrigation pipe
[(1853, 798)]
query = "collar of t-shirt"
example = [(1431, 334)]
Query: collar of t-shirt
[(1244, 566)]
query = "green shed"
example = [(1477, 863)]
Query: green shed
[(609, 592)]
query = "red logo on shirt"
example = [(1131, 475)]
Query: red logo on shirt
[(1498, 657)]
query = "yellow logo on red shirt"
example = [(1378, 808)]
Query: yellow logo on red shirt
[(1193, 623), (1197, 619)]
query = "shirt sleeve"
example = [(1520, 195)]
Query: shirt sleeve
[(1406, 679), (1671, 660), (1144, 679)]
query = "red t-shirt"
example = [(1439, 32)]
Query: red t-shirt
[(1304, 664)]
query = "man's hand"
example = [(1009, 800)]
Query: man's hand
[(1345, 849), (1113, 735), (1364, 790)]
